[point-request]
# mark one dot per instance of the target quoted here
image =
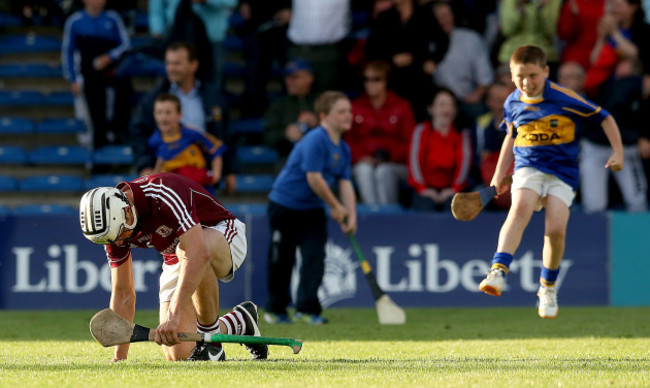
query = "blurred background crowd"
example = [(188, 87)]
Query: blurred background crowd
[(427, 80)]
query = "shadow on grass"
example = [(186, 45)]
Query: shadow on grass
[(461, 364), (361, 325)]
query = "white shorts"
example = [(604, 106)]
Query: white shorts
[(543, 184), (235, 233)]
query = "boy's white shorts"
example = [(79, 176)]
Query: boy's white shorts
[(235, 233), (543, 184)]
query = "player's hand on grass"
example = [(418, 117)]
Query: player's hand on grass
[(121, 352)]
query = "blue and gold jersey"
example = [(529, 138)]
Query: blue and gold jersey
[(544, 129), (188, 148)]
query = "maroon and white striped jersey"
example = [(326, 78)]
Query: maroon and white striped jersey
[(167, 206)]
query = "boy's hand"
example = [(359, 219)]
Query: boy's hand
[(349, 225), (615, 163), (501, 183), (339, 214)]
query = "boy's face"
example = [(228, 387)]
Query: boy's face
[(167, 117), (340, 116), (529, 78)]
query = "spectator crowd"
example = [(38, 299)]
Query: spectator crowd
[(426, 79)]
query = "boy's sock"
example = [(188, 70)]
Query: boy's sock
[(548, 277), (501, 261)]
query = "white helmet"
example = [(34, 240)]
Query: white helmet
[(102, 215)]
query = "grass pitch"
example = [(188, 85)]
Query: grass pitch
[(583, 347)]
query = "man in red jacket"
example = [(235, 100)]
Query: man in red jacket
[(381, 129)]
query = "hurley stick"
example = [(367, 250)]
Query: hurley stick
[(108, 328), (388, 312), (466, 206)]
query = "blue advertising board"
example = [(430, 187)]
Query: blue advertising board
[(46, 263), (428, 259), (420, 260)]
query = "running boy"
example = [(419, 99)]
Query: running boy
[(540, 117)]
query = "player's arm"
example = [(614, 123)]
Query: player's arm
[(123, 299), (193, 257), (506, 156), (320, 187), (613, 134), (349, 200)]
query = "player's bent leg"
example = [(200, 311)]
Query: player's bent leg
[(219, 251), (206, 299)]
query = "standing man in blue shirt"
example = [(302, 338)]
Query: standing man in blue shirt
[(319, 162), (100, 39)]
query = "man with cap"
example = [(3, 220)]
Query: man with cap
[(289, 117)]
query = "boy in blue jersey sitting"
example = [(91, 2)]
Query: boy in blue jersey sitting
[(183, 150), (540, 117)]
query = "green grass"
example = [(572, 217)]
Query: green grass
[(583, 347)]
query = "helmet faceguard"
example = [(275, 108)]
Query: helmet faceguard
[(102, 214)]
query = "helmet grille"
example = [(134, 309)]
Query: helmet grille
[(99, 220)]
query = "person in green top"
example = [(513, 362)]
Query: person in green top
[(525, 22)]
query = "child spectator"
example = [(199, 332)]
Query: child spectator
[(182, 150)]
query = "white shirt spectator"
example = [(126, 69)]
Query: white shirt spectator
[(466, 64), (191, 106), (319, 22)]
